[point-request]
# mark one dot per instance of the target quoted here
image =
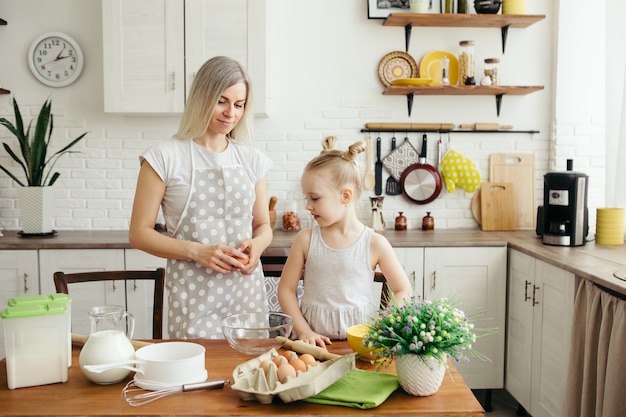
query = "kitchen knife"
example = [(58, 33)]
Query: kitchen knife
[(378, 169)]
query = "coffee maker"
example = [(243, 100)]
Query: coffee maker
[(563, 218)]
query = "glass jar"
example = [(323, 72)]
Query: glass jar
[(466, 63), (291, 219), (491, 70)]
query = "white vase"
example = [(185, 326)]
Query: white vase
[(419, 6), (420, 375), (35, 205)]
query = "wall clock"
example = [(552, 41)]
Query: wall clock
[(55, 59)]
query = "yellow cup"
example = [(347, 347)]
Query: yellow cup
[(514, 7), (610, 226)]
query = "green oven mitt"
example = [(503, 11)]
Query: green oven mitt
[(358, 389)]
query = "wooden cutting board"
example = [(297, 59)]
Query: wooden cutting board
[(519, 169), (498, 206)]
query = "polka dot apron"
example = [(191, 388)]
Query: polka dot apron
[(218, 210)]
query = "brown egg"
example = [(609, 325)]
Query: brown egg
[(308, 359), (279, 360), (298, 365), (266, 365), (286, 371), (289, 354)]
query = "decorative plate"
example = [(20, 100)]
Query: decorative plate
[(396, 65), (412, 81), (430, 66)]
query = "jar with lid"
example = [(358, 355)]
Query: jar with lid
[(466, 63), (291, 219), (428, 222), (492, 70)]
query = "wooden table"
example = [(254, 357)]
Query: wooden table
[(79, 397)]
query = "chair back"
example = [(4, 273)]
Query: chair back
[(61, 281)]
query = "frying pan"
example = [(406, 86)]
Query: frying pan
[(421, 182)]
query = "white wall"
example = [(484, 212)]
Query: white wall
[(323, 57)]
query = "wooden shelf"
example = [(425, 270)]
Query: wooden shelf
[(452, 90), (502, 21)]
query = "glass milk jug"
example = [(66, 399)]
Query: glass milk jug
[(108, 342)]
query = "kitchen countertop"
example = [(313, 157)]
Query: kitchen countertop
[(79, 397), (594, 262)]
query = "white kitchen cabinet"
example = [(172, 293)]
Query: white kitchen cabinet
[(152, 49), (19, 275), (412, 260), (139, 294), (541, 305), (474, 278), (88, 294)]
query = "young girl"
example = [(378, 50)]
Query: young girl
[(338, 254)]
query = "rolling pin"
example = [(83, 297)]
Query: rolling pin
[(301, 347), (486, 126), (80, 339)]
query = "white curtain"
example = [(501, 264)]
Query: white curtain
[(597, 366)]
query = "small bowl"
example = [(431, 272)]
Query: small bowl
[(487, 6), (356, 334), (255, 333)]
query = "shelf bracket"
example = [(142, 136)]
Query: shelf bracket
[(409, 102), (498, 103), (505, 33), (407, 35)]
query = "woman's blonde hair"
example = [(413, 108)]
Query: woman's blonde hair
[(345, 170), (214, 76)]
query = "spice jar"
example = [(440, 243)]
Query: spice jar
[(291, 219), (428, 222), (466, 63), (400, 222), (491, 70)]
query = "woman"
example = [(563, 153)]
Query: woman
[(213, 194)]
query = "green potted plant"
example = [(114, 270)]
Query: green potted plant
[(420, 335), (35, 194)]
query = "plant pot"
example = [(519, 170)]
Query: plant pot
[(35, 205), (420, 375)]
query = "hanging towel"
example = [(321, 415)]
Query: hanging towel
[(456, 169)]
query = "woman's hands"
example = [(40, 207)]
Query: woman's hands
[(224, 259)]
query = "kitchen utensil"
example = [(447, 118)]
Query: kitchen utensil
[(485, 126), (410, 126), (378, 169), (272, 209), (397, 64), (369, 180), (393, 186), (421, 182), (302, 347), (518, 169), (430, 67), (255, 333), (475, 206), (131, 390), (400, 159), (498, 206), (108, 342)]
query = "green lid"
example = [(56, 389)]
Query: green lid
[(39, 299), (34, 310)]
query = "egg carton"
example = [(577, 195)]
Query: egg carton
[(253, 384)]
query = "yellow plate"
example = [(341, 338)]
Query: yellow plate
[(431, 67), (396, 65), (411, 81)]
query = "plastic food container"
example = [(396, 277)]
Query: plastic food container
[(252, 383), (36, 336)]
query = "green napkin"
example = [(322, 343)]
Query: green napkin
[(358, 389)]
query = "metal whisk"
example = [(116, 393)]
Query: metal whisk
[(136, 396)]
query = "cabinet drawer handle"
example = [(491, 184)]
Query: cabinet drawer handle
[(25, 283), (434, 285), (135, 285), (526, 297), (114, 286), (173, 81), (535, 302)]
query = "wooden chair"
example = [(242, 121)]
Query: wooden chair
[(61, 281)]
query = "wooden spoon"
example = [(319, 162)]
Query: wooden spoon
[(369, 181)]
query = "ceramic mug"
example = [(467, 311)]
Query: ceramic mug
[(419, 6)]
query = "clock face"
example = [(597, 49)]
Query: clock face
[(55, 59)]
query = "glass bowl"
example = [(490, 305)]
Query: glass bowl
[(255, 333)]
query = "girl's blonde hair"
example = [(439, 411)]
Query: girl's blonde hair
[(342, 164), (214, 76)]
